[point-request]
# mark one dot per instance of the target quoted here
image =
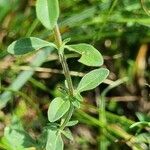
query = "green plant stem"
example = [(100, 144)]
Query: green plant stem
[(66, 73), (102, 111), (62, 59), (103, 95), (57, 35), (65, 67), (32, 27)]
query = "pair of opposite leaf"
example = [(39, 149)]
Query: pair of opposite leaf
[(89, 56)]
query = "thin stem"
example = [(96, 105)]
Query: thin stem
[(102, 111), (66, 73), (62, 59), (57, 35), (65, 67)]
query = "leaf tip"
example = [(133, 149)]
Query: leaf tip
[(9, 49)]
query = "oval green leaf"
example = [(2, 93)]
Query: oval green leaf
[(67, 133), (72, 123), (26, 45), (90, 55), (47, 12), (57, 109), (54, 141), (92, 79)]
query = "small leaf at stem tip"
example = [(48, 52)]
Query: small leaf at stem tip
[(58, 107), (47, 12), (26, 45), (72, 123), (65, 41), (90, 55), (92, 79), (54, 141)]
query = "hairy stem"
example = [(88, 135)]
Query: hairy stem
[(65, 67), (57, 35), (62, 59)]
